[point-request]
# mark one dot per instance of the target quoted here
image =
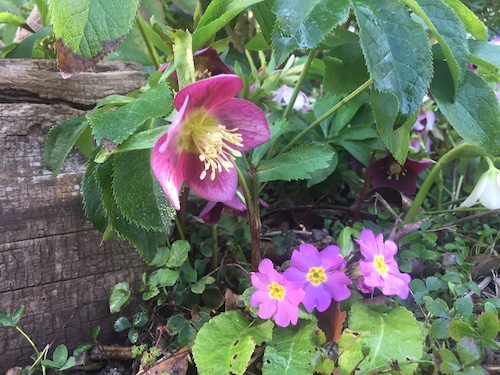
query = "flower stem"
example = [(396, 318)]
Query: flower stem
[(464, 149), (214, 260), (149, 46), (252, 203), (298, 85), (29, 340), (332, 110)]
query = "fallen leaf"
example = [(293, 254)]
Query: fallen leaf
[(176, 364), (331, 320)]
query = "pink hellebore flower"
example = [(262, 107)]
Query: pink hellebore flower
[(275, 295), (379, 269), (387, 171), (284, 94), (321, 274), (210, 129)]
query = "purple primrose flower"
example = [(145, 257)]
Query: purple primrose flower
[(321, 275), (275, 295), (210, 129), (387, 171), (379, 268)]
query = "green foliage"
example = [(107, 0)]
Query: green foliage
[(139, 320), (303, 25), (375, 336), (13, 319), (60, 359), (88, 26), (120, 296), (236, 340)]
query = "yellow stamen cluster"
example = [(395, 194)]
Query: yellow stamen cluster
[(379, 263), (213, 142), (395, 169), (316, 275), (276, 291)]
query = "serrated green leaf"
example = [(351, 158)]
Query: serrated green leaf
[(297, 164), (381, 331), (463, 307), (92, 197), (345, 69), (178, 253), (183, 54), (485, 54), (488, 325), (432, 283), (138, 194), (385, 109), (121, 324), (448, 30), (321, 175), (216, 16), (12, 19), (303, 25), (437, 307), (120, 296), (472, 23), (469, 352), (396, 49), (265, 17), (236, 340), (119, 124), (60, 140), (87, 26), (459, 329), (164, 277), (449, 363), (439, 328), (475, 112), (291, 350)]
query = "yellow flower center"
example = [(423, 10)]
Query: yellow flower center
[(395, 169), (200, 134), (316, 275), (380, 265), (276, 291)]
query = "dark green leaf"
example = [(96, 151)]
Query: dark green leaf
[(265, 17), (164, 277), (297, 164), (60, 141), (199, 287), (140, 319), (321, 175), (449, 363), (121, 324), (138, 194), (92, 197), (474, 114), (485, 54), (119, 124), (7, 320), (216, 16), (304, 24), (488, 325), (432, 283), (437, 307), (463, 307), (396, 49), (133, 335), (25, 48), (178, 253), (176, 324), (439, 329)]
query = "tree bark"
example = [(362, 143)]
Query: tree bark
[(51, 259)]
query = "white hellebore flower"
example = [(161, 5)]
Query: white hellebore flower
[(487, 190)]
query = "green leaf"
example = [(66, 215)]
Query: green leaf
[(458, 329), (140, 319), (296, 164), (485, 54), (474, 114), (92, 197), (396, 49), (321, 175), (472, 23), (448, 30), (449, 363), (488, 325), (304, 24), (120, 296), (138, 193), (119, 124), (121, 324), (199, 287), (7, 320), (439, 328), (12, 19), (291, 350), (463, 307), (183, 54), (437, 307), (381, 331), (164, 277), (236, 340), (345, 68), (71, 362), (60, 355), (60, 140), (178, 253), (276, 130), (89, 27), (265, 17), (469, 352), (216, 16), (397, 139), (432, 283), (25, 48)]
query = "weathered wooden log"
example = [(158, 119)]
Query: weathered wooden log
[(51, 259)]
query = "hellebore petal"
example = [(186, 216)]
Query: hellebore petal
[(387, 171), (487, 190)]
